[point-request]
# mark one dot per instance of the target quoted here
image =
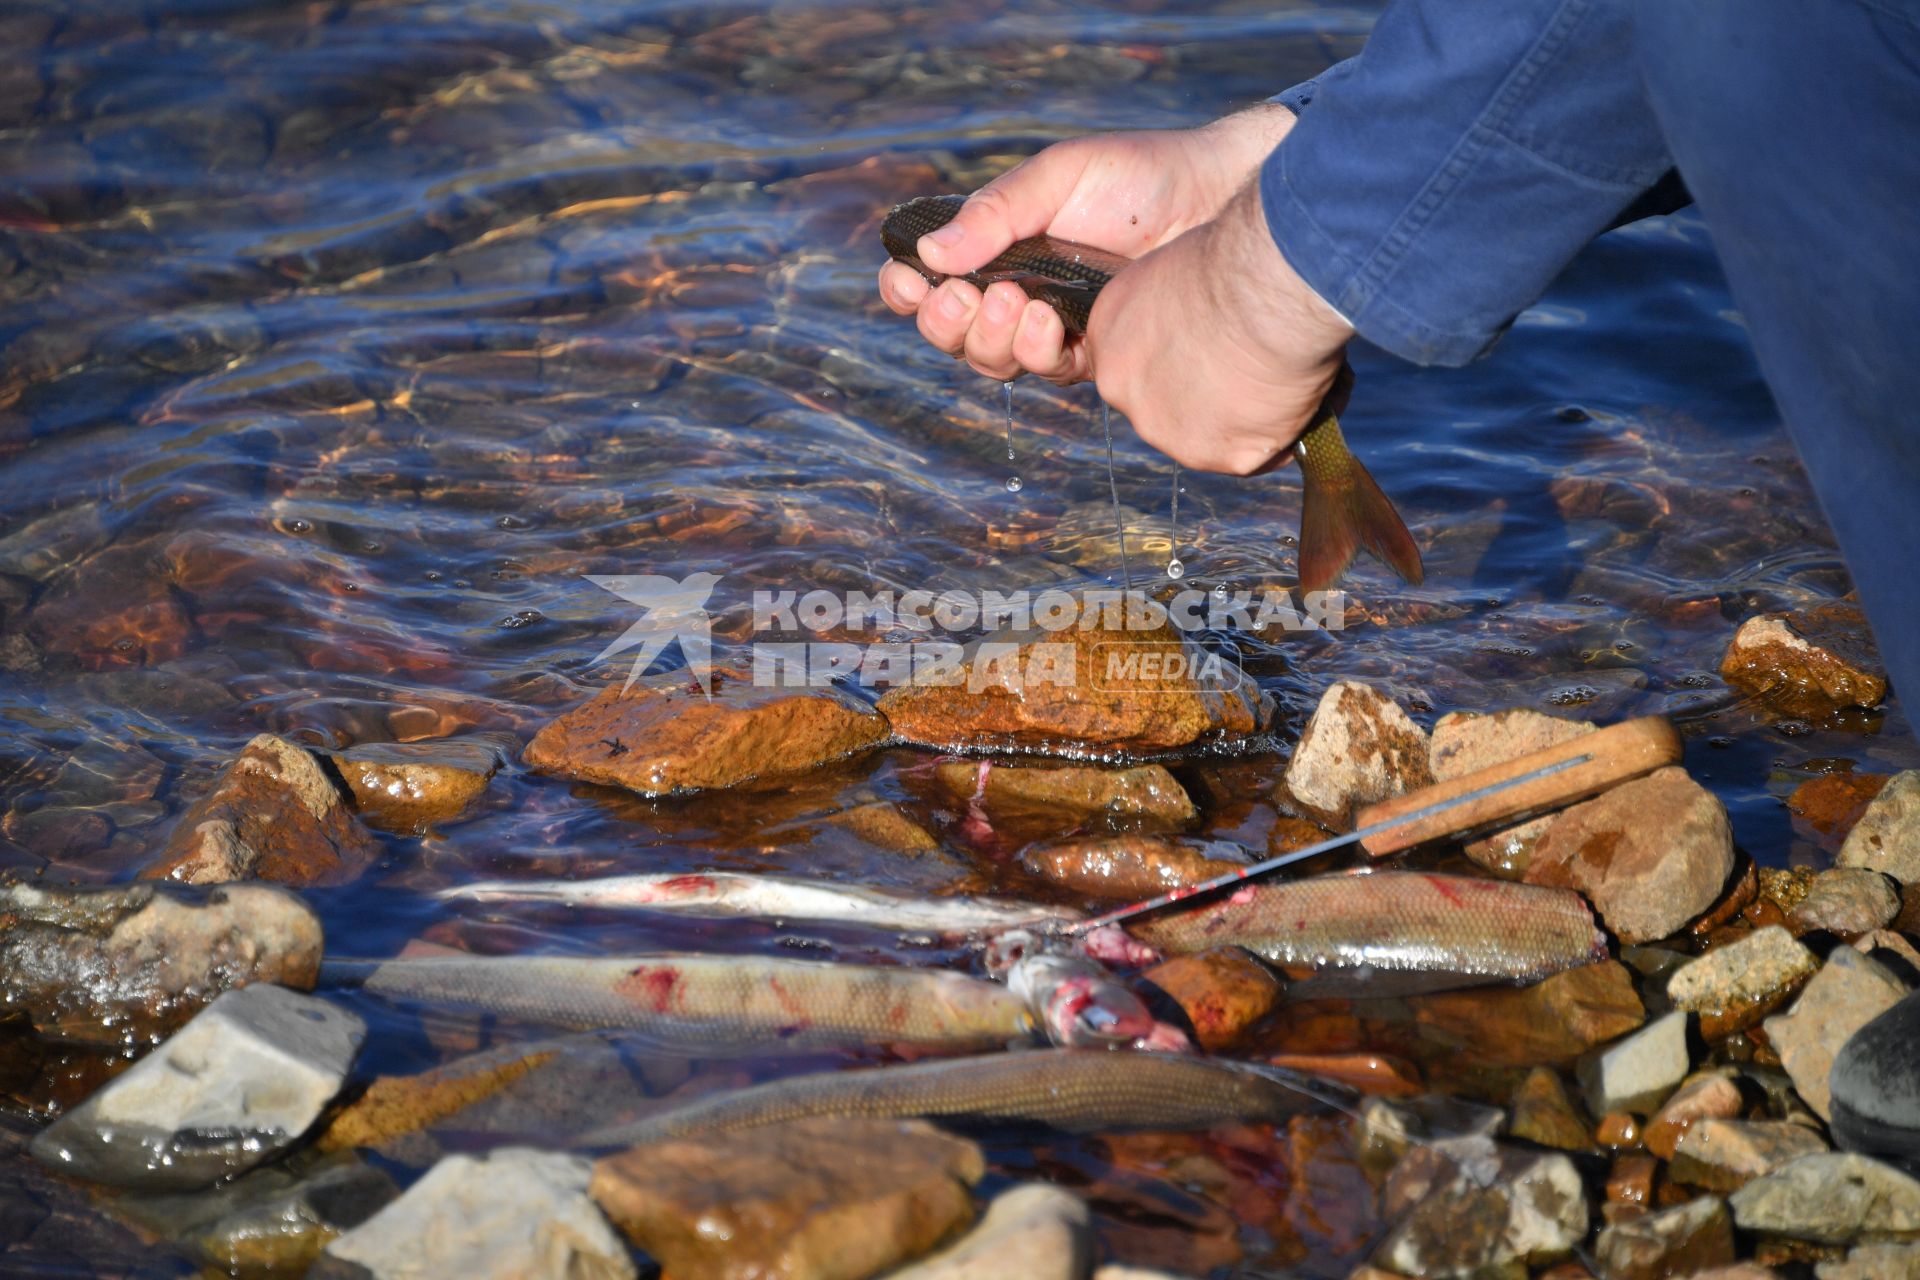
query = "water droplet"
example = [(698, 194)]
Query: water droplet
[(1220, 591), (1175, 569), (1014, 484)]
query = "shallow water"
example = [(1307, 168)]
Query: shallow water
[(341, 341)]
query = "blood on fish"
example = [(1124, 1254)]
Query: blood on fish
[(787, 1000), (652, 986), (686, 884), (1446, 890)]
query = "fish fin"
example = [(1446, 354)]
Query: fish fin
[(1337, 520)]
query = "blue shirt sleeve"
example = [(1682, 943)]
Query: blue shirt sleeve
[(1439, 181)]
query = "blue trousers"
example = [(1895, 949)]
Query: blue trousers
[(1796, 125)]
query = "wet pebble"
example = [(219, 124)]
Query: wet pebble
[(1848, 901), (1145, 792), (1807, 664), (1707, 1095), (1637, 1073), (1849, 991), (1834, 1198), (241, 1082), (410, 787), (1222, 994), (1035, 1231), (1887, 837), (1680, 1241), (1544, 1113), (1726, 1154), (1735, 986)]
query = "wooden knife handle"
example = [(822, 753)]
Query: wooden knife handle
[(1614, 755)]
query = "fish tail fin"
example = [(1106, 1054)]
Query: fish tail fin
[(1337, 518)]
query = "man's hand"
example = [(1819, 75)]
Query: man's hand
[(1217, 352), (1127, 193)]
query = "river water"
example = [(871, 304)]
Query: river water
[(342, 340)]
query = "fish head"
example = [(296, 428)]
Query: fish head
[(1078, 1004)]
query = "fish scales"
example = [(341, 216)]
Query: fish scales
[(1395, 922), (704, 1000), (1073, 1090)]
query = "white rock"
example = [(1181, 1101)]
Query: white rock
[(240, 1082), (1034, 1231), (1764, 962), (1359, 747), (1637, 1072), (1834, 1198), (518, 1214)]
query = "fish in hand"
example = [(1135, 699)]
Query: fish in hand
[(1342, 507)]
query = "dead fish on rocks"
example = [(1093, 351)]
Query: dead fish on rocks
[(1078, 1003), (715, 1004), (1392, 932), (1071, 1090), (729, 894)]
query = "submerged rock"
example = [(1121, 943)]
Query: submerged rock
[(1638, 1073), (1359, 747), (1707, 1095), (1464, 741), (1123, 866), (1085, 688), (237, 1085), (1033, 1231), (1543, 1113), (1491, 1211), (515, 1214), (1809, 663), (1651, 854), (1875, 1082), (1144, 791), (1680, 1241), (1887, 837), (1835, 1198), (1223, 993), (1849, 991), (273, 815), (272, 1221), (1551, 1021), (1733, 987), (408, 787), (664, 736), (128, 964), (814, 1198), (1848, 901), (1726, 1154)]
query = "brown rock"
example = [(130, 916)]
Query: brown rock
[(408, 787), (1463, 742), (1849, 991), (666, 736), (1552, 1021), (883, 825), (1087, 687), (1545, 1113), (1652, 854), (1740, 894), (132, 963), (1144, 791), (1785, 887), (1378, 1075), (1630, 1186), (1617, 1131), (1736, 985), (394, 1106), (1673, 1242), (273, 815), (1708, 1095), (1359, 747), (1828, 806), (1887, 837), (1122, 866), (1848, 901), (1223, 992), (826, 1198), (1725, 1155), (1809, 663)]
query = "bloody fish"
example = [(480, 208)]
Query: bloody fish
[(1078, 1003), (1342, 507)]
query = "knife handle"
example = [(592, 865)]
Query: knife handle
[(1614, 755)]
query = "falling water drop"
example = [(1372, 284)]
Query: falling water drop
[(1175, 569), (1220, 592), (1013, 484)]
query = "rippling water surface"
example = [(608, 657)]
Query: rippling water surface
[(341, 340)]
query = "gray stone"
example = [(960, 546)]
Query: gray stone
[(1637, 1072), (1492, 1212), (1874, 1262), (1848, 901), (1849, 991), (1034, 1231), (271, 1221), (1875, 1084), (1887, 837), (1727, 1154), (235, 1086), (1673, 1242), (1834, 1198), (517, 1213)]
